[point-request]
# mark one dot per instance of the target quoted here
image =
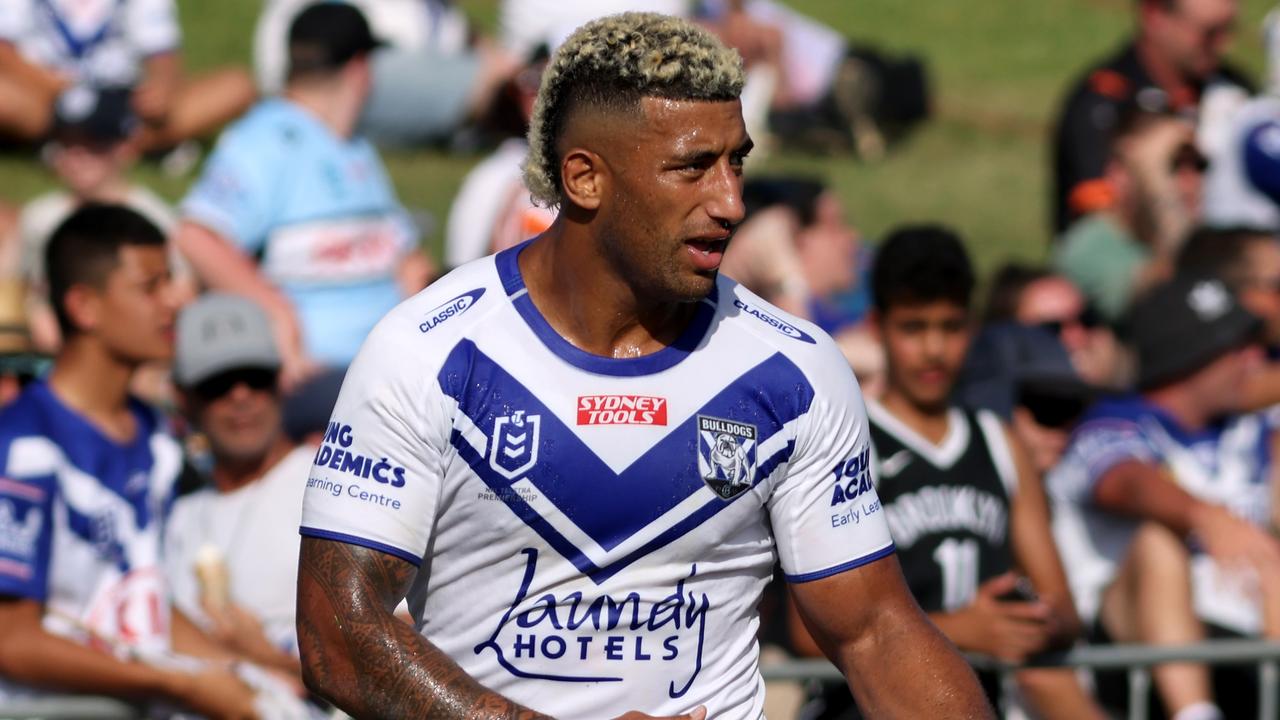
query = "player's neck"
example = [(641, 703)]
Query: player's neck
[(930, 422), (95, 384), (229, 475), (581, 295)]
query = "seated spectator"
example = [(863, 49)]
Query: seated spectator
[(1247, 261), (1024, 375), (1172, 65), (1034, 296), (90, 155), (1154, 174), (796, 249), (293, 185), (429, 79), (1162, 500), (87, 474), (52, 48), (990, 579), (231, 548), (493, 209)]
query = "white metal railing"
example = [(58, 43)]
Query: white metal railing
[(1137, 659)]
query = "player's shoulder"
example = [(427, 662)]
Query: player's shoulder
[(430, 323), (269, 129), (799, 340)]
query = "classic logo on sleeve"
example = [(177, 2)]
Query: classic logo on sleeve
[(778, 324), (450, 308), (621, 410), (726, 455)]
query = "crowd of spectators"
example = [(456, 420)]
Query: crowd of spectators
[(1115, 405)]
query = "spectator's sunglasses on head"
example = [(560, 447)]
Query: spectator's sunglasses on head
[(1089, 318), (257, 379)]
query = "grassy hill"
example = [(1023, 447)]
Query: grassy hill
[(999, 68)]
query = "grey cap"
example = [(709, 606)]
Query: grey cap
[(220, 332)]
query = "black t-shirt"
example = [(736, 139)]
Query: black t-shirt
[(948, 511), (1082, 135)]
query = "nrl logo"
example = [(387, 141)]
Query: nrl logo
[(726, 455), (513, 449)]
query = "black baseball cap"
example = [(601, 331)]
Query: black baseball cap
[(325, 35), (1012, 365), (95, 115), (1184, 324)]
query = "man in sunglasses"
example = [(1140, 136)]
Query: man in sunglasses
[(1173, 66), (1160, 491), (231, 548)]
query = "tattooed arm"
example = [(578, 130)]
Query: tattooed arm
[(356, 654)]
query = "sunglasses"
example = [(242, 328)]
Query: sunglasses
[(1052, 410), (1089, 318), (257, 379)]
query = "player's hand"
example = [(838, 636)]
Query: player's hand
[(698, 713), (216, 692), (1007, 630), (1232, 540)]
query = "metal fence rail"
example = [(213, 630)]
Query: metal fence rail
[(1137, 659)]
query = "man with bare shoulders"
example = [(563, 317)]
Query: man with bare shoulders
[(580, 458)]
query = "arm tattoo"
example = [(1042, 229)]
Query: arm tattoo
[(359, 655)]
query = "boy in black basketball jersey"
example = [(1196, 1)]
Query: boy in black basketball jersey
[(966, 511)]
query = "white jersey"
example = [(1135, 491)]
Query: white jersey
[(1228, 463), (91, 42), (594, 534)]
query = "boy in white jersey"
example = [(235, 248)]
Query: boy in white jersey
[(87, 477), (580, 458)]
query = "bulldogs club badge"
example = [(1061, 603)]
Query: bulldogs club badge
[(726, 455), (513, 449)]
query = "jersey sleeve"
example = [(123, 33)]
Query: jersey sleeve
[(152, 26), (233, 195), (1099, 445), (825, 513), (375, 480), (26, 528)]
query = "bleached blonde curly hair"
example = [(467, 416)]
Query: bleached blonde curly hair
[(612, 63)]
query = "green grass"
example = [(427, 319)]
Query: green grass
[(999, 69)]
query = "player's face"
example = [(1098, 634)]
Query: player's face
[(137, 304), (675, 196), (925, 345), (1194, 34), (239, 411)]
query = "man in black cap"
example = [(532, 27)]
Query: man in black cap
[(1160, 492), (296, 212)]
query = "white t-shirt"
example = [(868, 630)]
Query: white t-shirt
[(97, 42), (593, 534), (254, 528)]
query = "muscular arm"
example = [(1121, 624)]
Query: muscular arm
[(358, 655), (897, 664)]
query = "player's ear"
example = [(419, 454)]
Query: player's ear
[(873, 325), (583, 174)]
